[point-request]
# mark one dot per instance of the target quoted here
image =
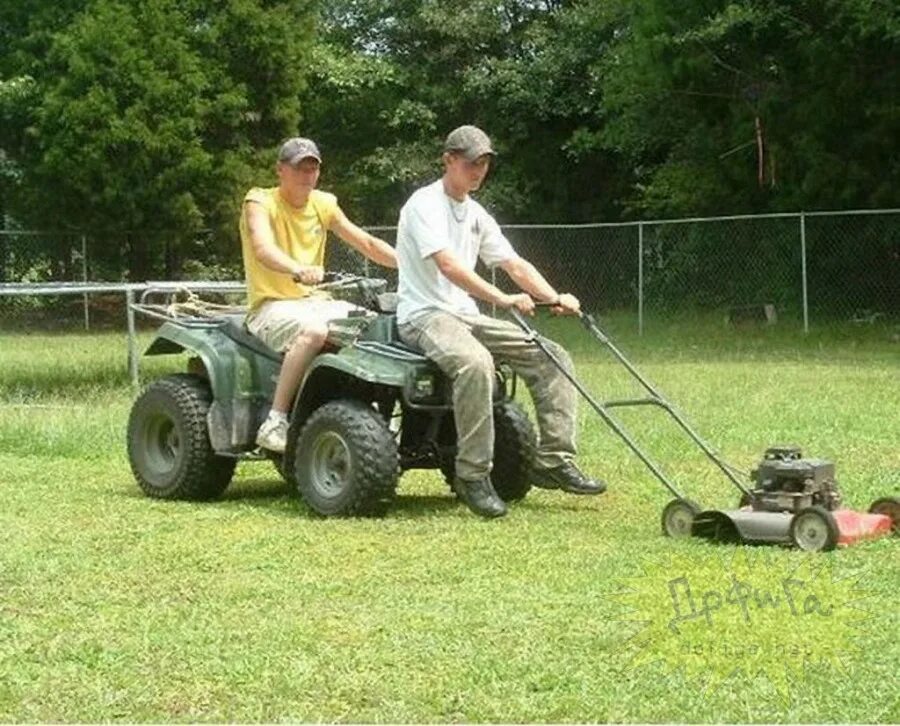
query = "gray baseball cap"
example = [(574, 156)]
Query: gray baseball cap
[(470, 141), (295, 150)]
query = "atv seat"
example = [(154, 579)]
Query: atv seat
[(396, 342), (233, 326)]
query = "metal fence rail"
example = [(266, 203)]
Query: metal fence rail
[(809, 265), (129, 290)]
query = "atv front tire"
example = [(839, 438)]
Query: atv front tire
[(346, 461), (515, 445), (168, 441)]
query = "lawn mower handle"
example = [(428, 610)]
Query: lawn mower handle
[(654, 399)]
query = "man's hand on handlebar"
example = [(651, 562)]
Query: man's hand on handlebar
[(309, 275), (520, 301)]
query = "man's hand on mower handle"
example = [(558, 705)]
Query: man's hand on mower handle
[(564, 304), (309, 274), (520, 301), (567, 304)]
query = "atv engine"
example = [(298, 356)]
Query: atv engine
[(786, 482)]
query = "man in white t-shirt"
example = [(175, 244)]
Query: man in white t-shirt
[(442, 233)]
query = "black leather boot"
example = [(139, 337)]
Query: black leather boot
[(569, 478), (480, 497)]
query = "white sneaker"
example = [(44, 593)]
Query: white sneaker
[(272, 435)]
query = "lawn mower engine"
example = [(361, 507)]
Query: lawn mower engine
[(786, 482), (796, 501)]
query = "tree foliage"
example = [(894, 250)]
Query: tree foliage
[(131, 115), (756, 106), (151, 114), (400, 75)]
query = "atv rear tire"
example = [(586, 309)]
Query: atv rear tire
[(346, 461), (168, 441), (515, 445)]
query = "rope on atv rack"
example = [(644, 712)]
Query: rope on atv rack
[(194, 306)]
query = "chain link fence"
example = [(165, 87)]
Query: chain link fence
[(810, 267), (815, 266), (42, 257), (853, 264)]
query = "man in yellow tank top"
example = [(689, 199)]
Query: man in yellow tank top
[(283, 233)]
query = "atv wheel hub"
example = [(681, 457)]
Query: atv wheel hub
[(330, 464)]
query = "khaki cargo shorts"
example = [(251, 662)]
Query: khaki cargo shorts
[(277, 322)]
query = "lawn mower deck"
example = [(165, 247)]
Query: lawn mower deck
[(791, 500), (795, 501)]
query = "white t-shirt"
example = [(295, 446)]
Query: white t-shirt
[(431, 221)]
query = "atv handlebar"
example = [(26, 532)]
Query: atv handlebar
[(339, 279), (356, 289)]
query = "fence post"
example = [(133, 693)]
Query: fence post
[(803, 272), (132, 343), (84, 278), (640, 278)]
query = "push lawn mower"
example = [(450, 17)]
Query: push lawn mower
[(791, 500)]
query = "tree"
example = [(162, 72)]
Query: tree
[(729, 107), (132, 115), (392, 78), (153, 115)]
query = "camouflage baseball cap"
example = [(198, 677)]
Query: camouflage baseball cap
[(470, 141), (295, 150)]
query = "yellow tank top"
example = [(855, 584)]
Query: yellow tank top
[(301, 233)]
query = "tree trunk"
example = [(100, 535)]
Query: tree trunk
[(138, 258), (173, 259)]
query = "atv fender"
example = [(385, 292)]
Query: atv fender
[(171, 339), (374, 363), (241, 381)]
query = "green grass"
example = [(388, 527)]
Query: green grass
[(118, 607)]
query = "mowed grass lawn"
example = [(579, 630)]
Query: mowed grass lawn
[(118, 607)]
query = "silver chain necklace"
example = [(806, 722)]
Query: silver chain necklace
[(454, 205)]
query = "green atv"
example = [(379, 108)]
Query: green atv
[(369, 408)]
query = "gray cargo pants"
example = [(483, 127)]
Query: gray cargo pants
[(464, 347)]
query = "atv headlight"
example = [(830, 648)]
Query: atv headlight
[(424, 386)]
